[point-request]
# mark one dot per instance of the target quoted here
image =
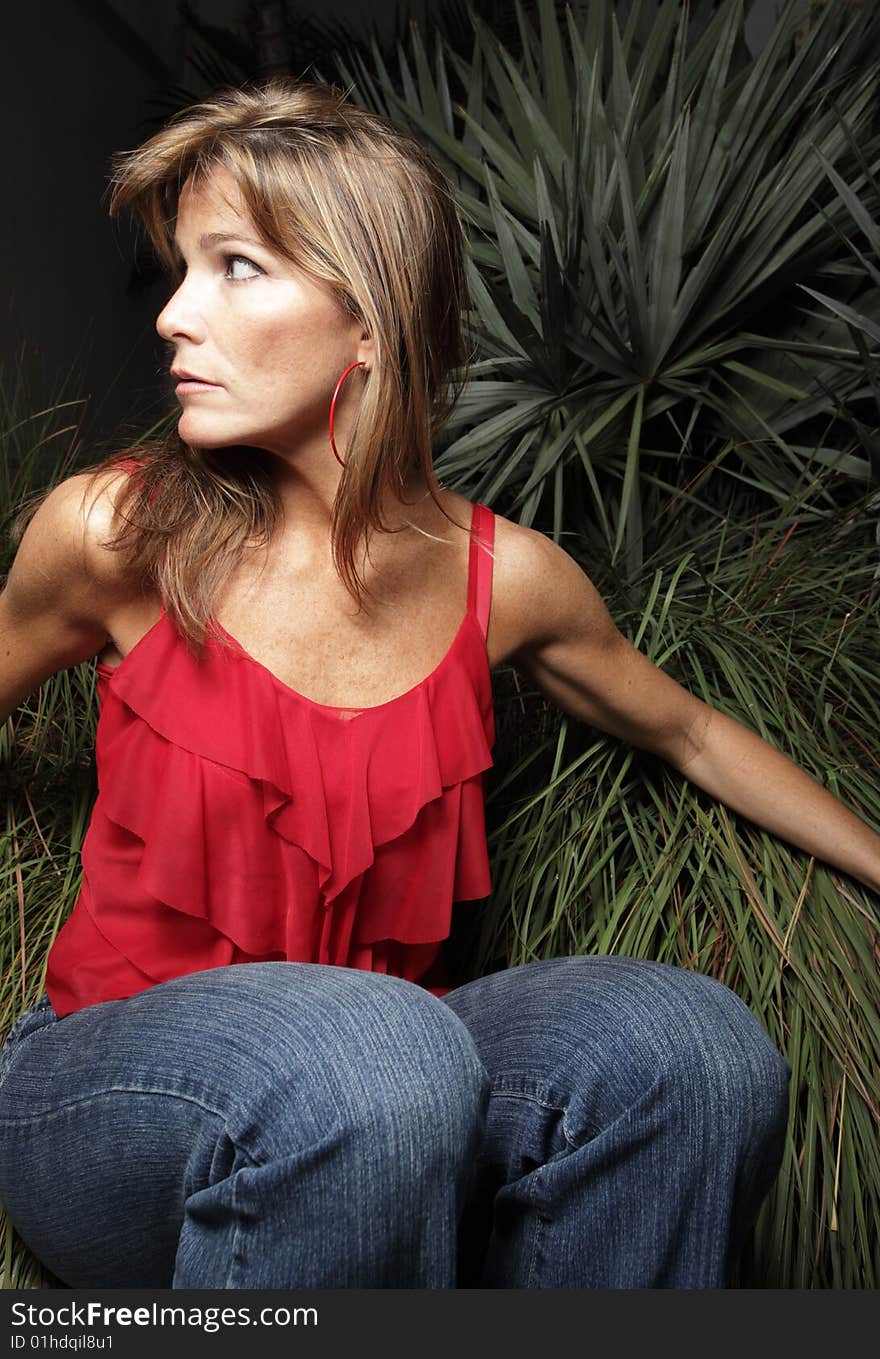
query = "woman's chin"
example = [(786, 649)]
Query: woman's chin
[(203, 433)]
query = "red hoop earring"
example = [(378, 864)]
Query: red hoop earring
[(357, 364)]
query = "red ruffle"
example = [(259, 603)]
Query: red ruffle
[(236, 820)]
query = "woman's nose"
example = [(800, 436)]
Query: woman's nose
[(181, 316)]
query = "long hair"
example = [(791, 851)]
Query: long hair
[(357, 204)]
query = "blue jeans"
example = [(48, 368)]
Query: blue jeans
[(580, 1122)]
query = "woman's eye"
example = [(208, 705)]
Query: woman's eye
[(232, 260)]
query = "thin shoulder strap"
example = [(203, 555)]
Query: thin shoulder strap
[(480, 565), (130, 465)]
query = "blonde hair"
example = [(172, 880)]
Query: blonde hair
[(357, 204)]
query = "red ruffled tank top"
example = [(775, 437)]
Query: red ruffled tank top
[(239, 821)]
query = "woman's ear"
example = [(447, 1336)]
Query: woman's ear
[(366, 351)]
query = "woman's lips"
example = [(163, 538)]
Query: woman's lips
[(189, 387)]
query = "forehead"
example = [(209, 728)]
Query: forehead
[(216, 196)]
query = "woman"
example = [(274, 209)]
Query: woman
[(248, 1068)]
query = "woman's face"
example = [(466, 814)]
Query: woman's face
[(272, 343)]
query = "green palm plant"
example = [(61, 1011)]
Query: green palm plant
[(862, 218), (864, 264), (640, 209)]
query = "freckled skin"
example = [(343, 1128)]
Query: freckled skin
[(275, 341)]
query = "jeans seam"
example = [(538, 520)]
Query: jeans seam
[(522, 1094), (37, 1119), (539, 1227), (234, 1246), (543, 1104), (13, 1043), (537, 1174)]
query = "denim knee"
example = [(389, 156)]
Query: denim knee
[(730, 1054), (390, 1065), (612, 1029), (751, 1074), (695, 1035), (232, 1106)]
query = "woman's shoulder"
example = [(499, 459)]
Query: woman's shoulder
[(460, 510), (534, 580), (524, 561), (63, 585), (91, 500), (77, 516)]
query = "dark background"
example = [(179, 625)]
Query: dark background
[(81, 79)]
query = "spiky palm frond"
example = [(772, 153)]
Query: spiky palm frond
[(641, 209)]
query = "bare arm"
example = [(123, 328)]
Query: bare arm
[(60, 590), (571, 649)]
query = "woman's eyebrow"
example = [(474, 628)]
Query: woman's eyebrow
[(211, 238)]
